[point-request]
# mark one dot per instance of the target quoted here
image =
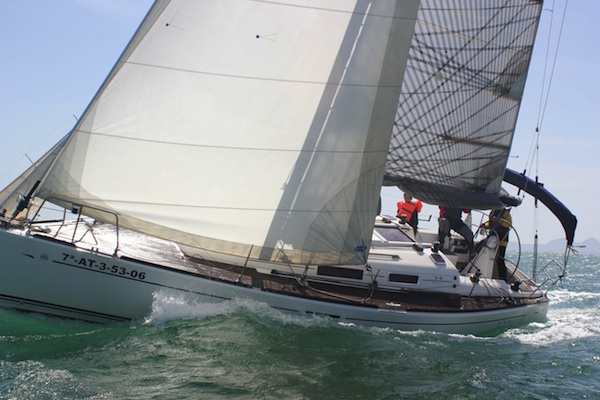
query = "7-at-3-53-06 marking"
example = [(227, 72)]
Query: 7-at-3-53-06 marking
[(71, 259)]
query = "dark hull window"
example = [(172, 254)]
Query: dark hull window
[(403, 278), (339, 272)]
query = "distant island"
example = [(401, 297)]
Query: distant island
[(588, 246)]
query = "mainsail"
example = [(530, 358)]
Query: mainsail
[(251, 128), (460, 98)]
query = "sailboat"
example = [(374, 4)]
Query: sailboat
[(237, 150)]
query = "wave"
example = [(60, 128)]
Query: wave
[(565, 296), (35, 380), (168, 307), (573, 316), (563, 325)]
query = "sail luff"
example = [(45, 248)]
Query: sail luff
[(345, 221), (154, 11)]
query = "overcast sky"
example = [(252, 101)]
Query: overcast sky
[(55, 54)]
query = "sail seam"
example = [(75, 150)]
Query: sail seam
[(208, 146), (198, 206), (333, 10), (258, 78)]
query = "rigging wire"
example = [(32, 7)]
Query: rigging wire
[(533, 158), (35, 149), (543, 111)]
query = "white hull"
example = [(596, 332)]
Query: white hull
[(46, 276)]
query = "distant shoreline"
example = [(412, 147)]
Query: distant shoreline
[(588, 246)]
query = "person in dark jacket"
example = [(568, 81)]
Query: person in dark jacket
[(499, 224), (451, 219)]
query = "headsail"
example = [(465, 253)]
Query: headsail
[(459, 103), (245, 126)]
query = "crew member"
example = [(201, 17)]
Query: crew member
[(450, 219), (499, 224), (408, 211)]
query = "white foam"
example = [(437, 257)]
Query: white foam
[(561, 296), (168, 307), (175, 306), (566, 324)]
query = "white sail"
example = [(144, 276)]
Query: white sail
[(234, 125), (459, 103)]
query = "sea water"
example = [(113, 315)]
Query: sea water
[(186, 349)]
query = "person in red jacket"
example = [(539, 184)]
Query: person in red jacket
[(408, 211), (450, 218)]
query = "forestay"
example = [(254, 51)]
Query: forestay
[(460, 98), (13, 202), (251, 128)]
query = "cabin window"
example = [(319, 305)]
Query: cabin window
[(338, 272), (403, 278), (393, 234)]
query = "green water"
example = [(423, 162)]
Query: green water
[(248, 351)]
